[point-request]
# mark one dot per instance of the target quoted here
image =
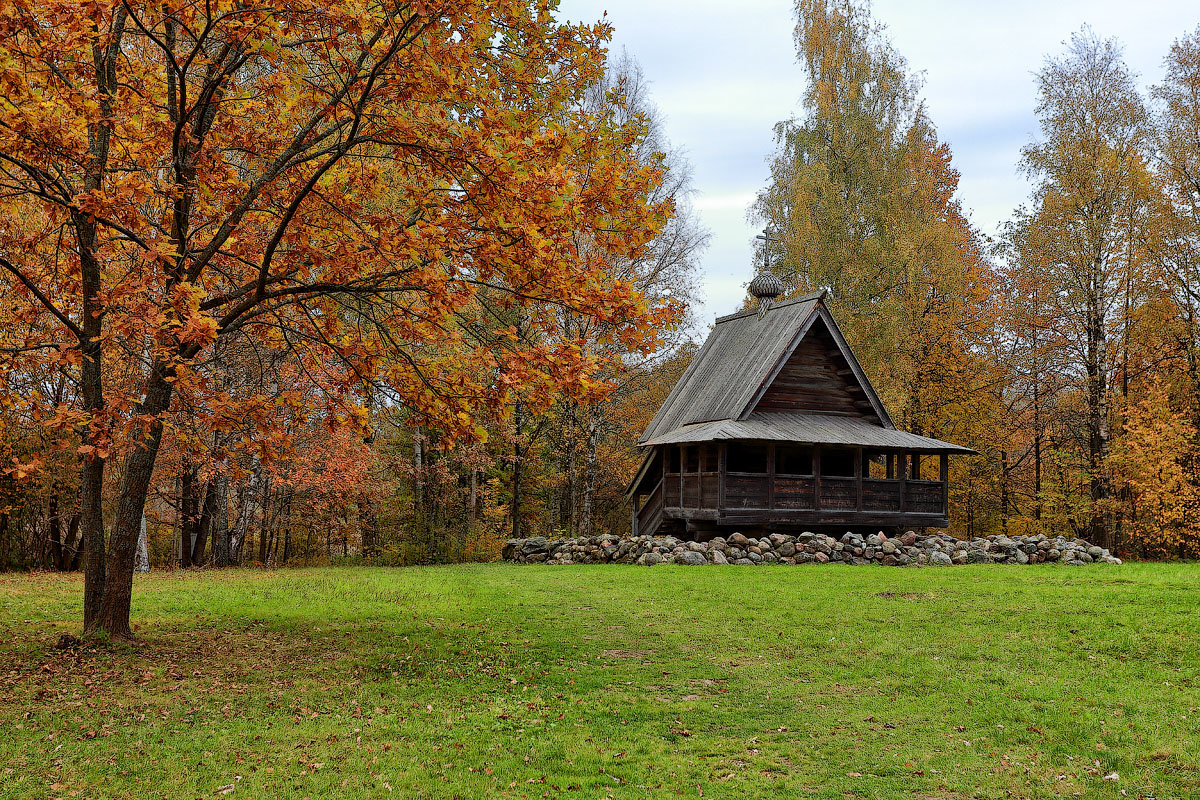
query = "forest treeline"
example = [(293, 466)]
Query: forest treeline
[(1066, 352), (336, 462), (285, 284)]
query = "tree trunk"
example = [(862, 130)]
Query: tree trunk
[(419, 473), (241, 524), (204, 525), (4, 517), (188, 514), (54, 532), (516, 477), (91, 497), (221, 555), (1097, 399), (266, 521), (473, 501), (573, 523), (368, 506), (1004, 491), (91, 489), (92, 523), (589, 474), (143, 549), (287, 526), (1037, 453), (73, 549), (113, 617)]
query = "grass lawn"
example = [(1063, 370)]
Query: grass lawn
[(612, 681)]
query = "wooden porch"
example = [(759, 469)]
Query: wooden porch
[(774, 485)]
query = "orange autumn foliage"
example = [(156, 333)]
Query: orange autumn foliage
[(1154, 463), (338, 182)]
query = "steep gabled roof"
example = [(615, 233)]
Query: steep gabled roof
[(740, 359)]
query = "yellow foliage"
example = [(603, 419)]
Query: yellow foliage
[(1154, 466)]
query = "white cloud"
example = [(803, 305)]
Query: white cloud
[(724, 202), (724, 73)]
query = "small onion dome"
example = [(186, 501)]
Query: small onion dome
[(766, 286)]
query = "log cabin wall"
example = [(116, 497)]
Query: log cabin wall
[(817, 378), (692, 476)]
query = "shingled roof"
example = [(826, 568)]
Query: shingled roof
[(738, 362), (808, 429)]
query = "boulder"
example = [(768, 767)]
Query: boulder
[(691, 558), (976, 556), (535, 545)]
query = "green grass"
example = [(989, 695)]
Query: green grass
[(612, 681)]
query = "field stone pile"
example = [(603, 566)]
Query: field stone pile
[(910, 549)]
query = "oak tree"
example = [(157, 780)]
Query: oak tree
[(177, 174)]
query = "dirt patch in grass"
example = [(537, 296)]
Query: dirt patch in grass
[(626, 653)]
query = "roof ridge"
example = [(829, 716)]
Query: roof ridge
[(808, 298)]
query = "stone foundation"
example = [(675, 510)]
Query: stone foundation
[(909, 550)]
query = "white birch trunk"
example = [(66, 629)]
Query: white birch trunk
[(143, 551)]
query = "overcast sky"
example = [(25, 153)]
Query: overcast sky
[(723, 73)]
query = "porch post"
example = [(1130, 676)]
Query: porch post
[(770, 476), (858, 478), (816, 453), (682, 473), (902, 465), (720, 477), (945, 484)]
